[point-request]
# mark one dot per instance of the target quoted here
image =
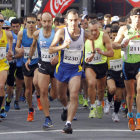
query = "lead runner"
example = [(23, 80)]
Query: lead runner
[(69, 71)]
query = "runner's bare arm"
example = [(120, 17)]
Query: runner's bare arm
[(19, 40), (117, 42), (58, 36), (10, 39), (34, 44), (108, 45)]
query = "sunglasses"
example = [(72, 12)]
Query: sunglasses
[(38, 19), (1, 20), (5, 28), (29, 22)]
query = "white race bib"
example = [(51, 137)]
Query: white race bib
[(134, 47), (26, 53), (45, 56), (116, 64), (72, 56), (2, 53), (97, 58)]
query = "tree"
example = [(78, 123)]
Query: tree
[(8, 13)]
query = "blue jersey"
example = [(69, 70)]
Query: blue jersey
[(13, 46), (19, 62), (44, 44), (26, 43)]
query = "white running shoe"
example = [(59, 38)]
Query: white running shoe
[(115, 117), (107, 107)]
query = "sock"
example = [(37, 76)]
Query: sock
[(48, 117), (8, 102), (1, 100), (93, 105), (99, 103), (65, 108), (31, 109), (38, 96), (109, 96), (138, 115), (116, 106), (130, 115), (68, 122), (2, 109)]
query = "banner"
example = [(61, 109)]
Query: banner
[(135, 3), (52, 6)]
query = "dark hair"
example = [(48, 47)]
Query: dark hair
[(134, 11), (57, 19), (31, 15), (114, 22), (107, 16), (114, 29), (93, 22), (61, 20), (73, 11), (44, 13), (108, 26), (122, 19), (92, 16), (15, 21)]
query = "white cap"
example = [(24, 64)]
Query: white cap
[(83, 17), (11, 19), (115, 19)]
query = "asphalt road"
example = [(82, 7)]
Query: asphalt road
[(15, 126)]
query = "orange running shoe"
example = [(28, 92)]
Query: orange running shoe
[(131, 124), (39, 106), (138, 124), (30, 117)]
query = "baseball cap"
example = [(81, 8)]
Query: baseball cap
[(6, 23), (100, 16), (115, 19)]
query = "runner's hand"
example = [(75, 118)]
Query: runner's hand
[(27, 63), (99, 51), (54, 60), (125, 43), (89, 59), (67, 43)]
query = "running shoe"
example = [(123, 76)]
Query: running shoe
[(92, 113), (74, 118), (81, 100), (85, 104), (122, 107), (67, 129), (7, 108), (125, 113), (0, 119), (50, 98), (64, 115), (39, 106), (107, 107), (23, 99), (47, 124), (16, 106), (137, 122), (99, 112), (3, 115), (115, 117), (30, 117), (131, 124)]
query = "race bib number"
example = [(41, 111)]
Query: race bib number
[(72, 57), (97, 58), (116, 64), (134, 47), (26, 53), (2, 53), (45, 56)]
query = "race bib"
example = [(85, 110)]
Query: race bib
[(2, 53), (72, 57), (97, 58), (134, 47), (26, 53), (116, 64), (45, 56)]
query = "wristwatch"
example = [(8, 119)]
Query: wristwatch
[(13, 57), (122, 46), (93, 52)]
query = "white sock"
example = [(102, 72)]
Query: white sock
[(65, 108), (68, 122), (93, 105), (99, 103)]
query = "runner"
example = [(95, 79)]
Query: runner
[(97, 68), (69, 71), (5, 37), (131, 65), (25, 37), (115, 80), (46, 64)]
